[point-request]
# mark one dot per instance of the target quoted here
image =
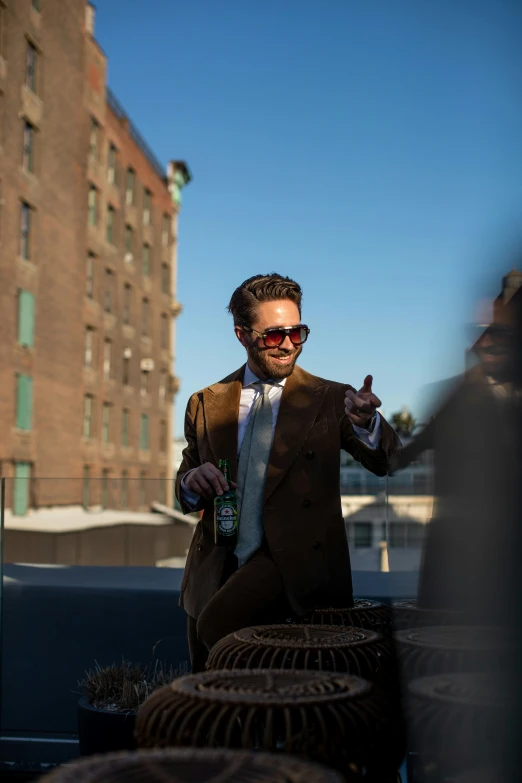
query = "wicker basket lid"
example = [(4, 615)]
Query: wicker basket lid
[(359, 605), (192, 765), (306, 636), (455, 637), (469, 689), (271, 687)]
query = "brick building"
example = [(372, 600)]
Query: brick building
[(88, 230)]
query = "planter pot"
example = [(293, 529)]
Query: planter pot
[(103, 731)]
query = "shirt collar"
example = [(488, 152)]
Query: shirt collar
[(249, 378)]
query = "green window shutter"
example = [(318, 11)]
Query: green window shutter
[(26, 318), (144, 432), (125, 429), (24, 402), (21, 488)]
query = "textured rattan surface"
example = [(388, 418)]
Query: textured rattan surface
[(457, 720), (365, 613), (336, 719), (190, 765), (445, 649), (407, 615), (349, 650), (468, 689)]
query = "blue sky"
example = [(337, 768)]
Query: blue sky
[(372, 150)]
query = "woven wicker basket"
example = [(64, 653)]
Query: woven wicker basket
[(457, 721), (372, 615), (335, 719), (312, 647), (190, 765), (445, 649)]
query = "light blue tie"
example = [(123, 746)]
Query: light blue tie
[(251, 475)]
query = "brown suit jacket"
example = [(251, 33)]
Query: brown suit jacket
[(303, 522)]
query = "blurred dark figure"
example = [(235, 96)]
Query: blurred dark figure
[(475, 441), (472, 568)]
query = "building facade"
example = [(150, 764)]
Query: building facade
[(88, 233)]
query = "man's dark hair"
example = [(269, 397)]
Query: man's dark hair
[(261, 288)]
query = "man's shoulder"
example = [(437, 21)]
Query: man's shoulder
[(316, 380), (221, 385)]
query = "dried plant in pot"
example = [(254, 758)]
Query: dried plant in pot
[(111, 697)]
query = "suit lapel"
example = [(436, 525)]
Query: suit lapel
[(301, 400), (221, 408)]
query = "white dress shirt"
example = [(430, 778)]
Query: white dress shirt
[(249, 394)]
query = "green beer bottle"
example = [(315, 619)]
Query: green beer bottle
[(225, 512)]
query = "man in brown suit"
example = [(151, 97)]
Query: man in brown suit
[(292, 554)]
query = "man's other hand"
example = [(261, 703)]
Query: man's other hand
[(207, 481), (360, 406)]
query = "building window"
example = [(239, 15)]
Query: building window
[(144, 432), (22, 479), (165, 230), (25, 231), (147, 205), (24, 402), (145, 269), (164, 331), (25, 318), (106, 422), (163, 386), (87, 416), (111, 165), (406, 535), (94, 140), (142, 495), (165, 281), (105, 489), (144, 382), (126, 365), (93, 206), (86, 487), (124, 489), (127, 293), (109, 285), (125, 427), (30, 69), (129, 239), (28, 148), (163, 437), (109, 234), (129, 187), (89, 276), (107, 360), (362, 534), (89, 347), (144, 317)]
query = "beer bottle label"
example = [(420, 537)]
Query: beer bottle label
[(226, 518)]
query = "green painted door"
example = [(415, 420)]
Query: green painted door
[(21, 488)]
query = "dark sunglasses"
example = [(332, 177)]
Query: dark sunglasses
[(273, 338)]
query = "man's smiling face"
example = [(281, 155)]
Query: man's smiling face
[(276, 363)]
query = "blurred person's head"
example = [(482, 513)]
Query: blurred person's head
[(494, 347), (267, 321)]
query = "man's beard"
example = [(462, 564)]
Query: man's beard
[(261, 357)]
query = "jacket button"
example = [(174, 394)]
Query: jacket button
[(307, 503), (310, 455), (199, 547), (317, 545)]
